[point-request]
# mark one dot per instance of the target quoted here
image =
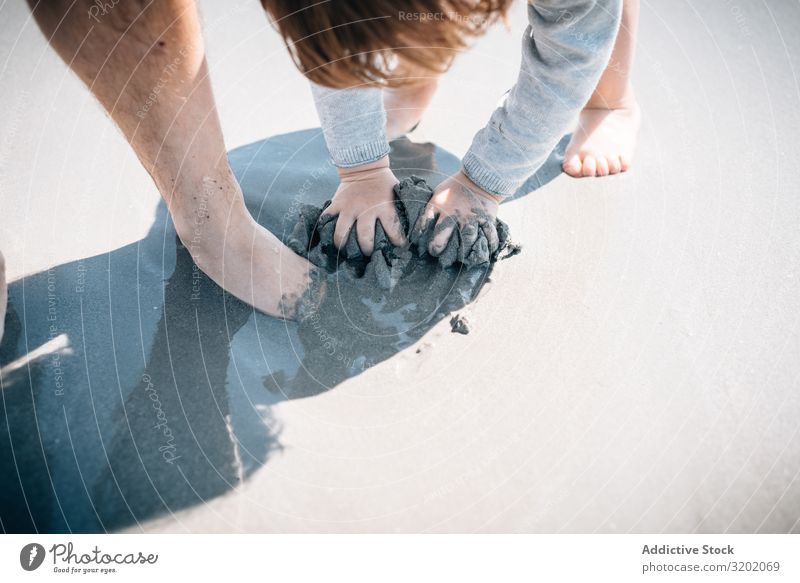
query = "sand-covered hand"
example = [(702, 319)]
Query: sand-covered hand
[(364, 197), (460, 218)]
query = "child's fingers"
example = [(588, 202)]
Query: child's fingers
[(365, 229), (490, 230), (343, 226), (469, 234), (441, 234), (329, 213), (332, 209), (423, 222), (392, 227)]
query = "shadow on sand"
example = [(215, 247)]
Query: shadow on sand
[(133, 386)]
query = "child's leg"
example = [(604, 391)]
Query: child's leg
[(604, 141), (405, 105)]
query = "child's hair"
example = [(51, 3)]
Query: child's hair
[(341, 43)]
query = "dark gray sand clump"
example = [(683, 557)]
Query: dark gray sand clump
[(367, 293), (471, 247), (459, 324)]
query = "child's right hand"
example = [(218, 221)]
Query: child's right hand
[(456, 204), (366, 195)]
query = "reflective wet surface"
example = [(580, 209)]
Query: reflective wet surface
[(633, 370), (133, 386)]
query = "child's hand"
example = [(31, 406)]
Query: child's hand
[(459, 202), (366, 194)]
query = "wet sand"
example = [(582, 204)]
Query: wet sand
[(634, 369)]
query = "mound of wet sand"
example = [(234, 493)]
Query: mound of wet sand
[(312, 238)]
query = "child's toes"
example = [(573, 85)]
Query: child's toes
[(589, 166), (614, 165), (602, 166), (572, 165), (624, 163)]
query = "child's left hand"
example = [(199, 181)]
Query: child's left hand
[(459, 202)]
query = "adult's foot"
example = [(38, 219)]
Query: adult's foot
[(237, 253), (605, 139)]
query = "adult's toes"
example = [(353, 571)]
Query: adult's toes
[(572, 165), (602, 166), (614, 166), (589, 166)]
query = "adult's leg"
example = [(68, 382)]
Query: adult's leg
[(605, 139), (145, 62)]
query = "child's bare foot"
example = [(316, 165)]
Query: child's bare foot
[(405, 105), (237, 253), (605, 139)]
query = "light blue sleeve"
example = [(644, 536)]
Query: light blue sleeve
[(353, 122), (564, 51)]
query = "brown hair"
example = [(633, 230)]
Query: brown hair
[(340, 43)]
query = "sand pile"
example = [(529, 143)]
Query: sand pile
[(312, 238)]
